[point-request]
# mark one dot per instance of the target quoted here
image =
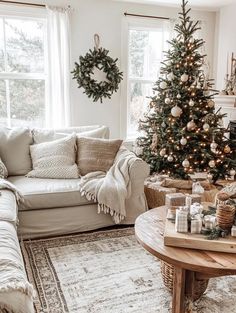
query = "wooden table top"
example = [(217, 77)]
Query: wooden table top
[(149, 231)]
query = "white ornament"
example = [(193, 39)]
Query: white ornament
[(191, 40), (170, 158), (185, 163), (206, 127), (163, 85), (191, 103), (213, 145), (176, 111), (211, 104), (163, 124), (170, 76), (191, 125), (232, 172), (167, 100), (163, 152), (184, 78), (178, 96), (212, 163), (183, 141)]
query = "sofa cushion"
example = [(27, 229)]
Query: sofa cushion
[(3, 170), (54, 159), (45, 135), (15, 149), (96, 154), (8, 206), (16, 293), (48, 193)]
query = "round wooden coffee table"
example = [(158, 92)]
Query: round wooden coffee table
[(190, 265)]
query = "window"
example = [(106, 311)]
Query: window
[(146, 43), (22, 70)]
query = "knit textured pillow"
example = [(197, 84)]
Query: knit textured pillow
[(96, 154), (3, 170), (54, 159)]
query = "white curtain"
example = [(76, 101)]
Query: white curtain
[(58, 110)]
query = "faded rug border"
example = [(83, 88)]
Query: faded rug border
[(32, 250)]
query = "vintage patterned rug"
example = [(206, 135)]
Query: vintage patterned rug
[(107, 272)]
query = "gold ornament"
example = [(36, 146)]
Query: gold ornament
[(163, 152), (211, 104), (227, 149)]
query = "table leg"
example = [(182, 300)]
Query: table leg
[(178, 303)]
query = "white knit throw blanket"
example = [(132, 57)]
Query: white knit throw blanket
[(110, 189)]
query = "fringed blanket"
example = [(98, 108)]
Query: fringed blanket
[(5, 184), (110, 189)]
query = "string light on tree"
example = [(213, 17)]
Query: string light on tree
[(190, 136)]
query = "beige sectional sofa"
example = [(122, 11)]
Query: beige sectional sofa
[(50, 207), (55, 206)]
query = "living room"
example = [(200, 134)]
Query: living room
[(117, 156)]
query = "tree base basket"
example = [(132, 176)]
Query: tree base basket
[(167, 272)]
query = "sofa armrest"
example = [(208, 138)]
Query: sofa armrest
[(138, 170)]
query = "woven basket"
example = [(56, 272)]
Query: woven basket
[(156, 195), (225, 215), (167, 271)]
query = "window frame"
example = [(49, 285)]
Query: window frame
[(128, 24), (32, 14)]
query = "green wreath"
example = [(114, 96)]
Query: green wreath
[(92, 88)]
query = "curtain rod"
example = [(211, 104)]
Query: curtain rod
[(24, 3), (147, 16)]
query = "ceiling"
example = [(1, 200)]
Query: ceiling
[(201, 4)]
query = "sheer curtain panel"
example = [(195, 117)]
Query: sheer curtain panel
[(58, 108)]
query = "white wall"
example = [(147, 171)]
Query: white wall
[(226, 40), (105, 18)]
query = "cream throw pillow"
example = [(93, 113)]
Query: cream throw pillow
[(15, 149), (96, 154), (3, 170), (54, 159)]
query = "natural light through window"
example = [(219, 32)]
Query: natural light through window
[(145, 54), (22, 71)]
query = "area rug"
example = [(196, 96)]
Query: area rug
[(108, 272)]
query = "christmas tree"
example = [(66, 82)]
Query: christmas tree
[(180, 132)]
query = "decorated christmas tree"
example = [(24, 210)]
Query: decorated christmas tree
[(181, 133)]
